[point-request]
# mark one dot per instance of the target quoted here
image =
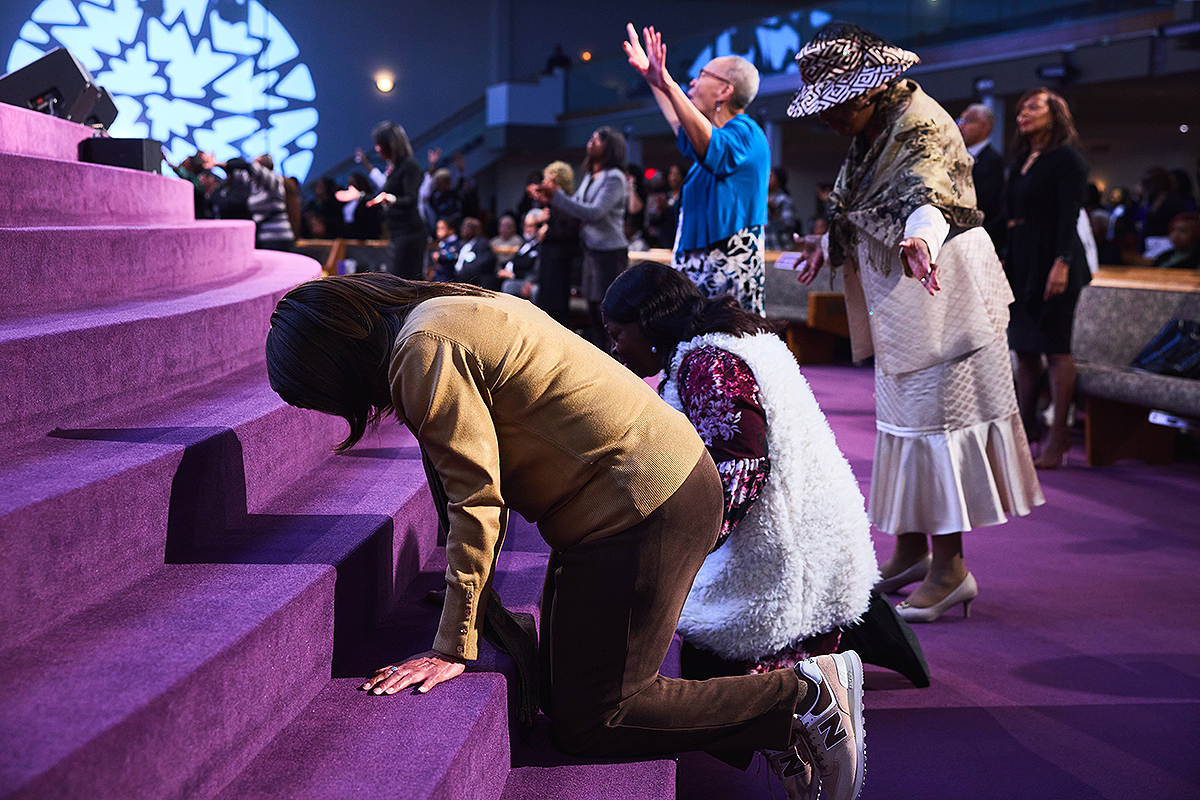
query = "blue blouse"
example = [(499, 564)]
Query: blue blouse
[(725, 191)]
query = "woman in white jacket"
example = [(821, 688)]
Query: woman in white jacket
[(793, 569)]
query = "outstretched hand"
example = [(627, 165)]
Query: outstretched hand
[(542, 192), (633, 48), (814, 257), (424, 671), (651, 59), (914, 254)]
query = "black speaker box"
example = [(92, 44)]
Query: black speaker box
[(57, 84), (143, 154)]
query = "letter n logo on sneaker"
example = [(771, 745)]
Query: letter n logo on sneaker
[(832, 729), (791, 764)]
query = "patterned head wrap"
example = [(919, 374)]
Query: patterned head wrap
[(842, 62)]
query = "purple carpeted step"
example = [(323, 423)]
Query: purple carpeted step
[(84, 267), (523, 536), (449, 744), (167, 689), (381, 476), (31, 133), (203, 470), (638, 780), (519, 579), (539, 770), (66, 370), (32, 194)]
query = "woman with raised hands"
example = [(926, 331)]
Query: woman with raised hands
[(723, 207)]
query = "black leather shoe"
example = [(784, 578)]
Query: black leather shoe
[(882, 638)]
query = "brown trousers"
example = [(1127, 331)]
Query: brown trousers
[(609, 610)]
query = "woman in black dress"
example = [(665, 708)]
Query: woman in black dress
[(1045, 263), (406, 230)]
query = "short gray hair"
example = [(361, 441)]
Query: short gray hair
[(988, 115), (743, 77)]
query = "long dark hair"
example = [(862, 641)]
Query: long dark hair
[(393, 142), (669, 309), (330, 343), (1062, 124), (614, 150)]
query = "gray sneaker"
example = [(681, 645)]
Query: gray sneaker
[(794, 767), (833, 725)]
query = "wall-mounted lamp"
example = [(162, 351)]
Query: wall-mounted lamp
[(384, 82)]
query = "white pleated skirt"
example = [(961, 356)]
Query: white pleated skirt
[(950, 450)]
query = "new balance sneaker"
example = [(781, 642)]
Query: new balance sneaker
[(833, 725), (794, 767)]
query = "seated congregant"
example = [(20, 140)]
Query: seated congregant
[(1185, 243), (444, 255), (520, 276), (476, 262)]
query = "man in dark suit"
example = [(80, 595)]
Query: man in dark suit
[(476, 262), (976, 124)]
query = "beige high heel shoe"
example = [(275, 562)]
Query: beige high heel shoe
[(964, 593), (1054, 449), (916, 572)]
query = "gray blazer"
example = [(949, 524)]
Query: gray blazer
[(600, 203)]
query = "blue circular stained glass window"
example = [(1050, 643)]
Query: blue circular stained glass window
[(222, 76)]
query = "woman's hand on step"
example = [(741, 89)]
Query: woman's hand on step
[(423, 671)]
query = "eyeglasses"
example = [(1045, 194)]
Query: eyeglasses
[(715, 76)]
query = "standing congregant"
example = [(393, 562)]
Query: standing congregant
[(723, 210), (976, 124), (950, 450)]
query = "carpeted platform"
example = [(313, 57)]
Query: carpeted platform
[(1078, 673)]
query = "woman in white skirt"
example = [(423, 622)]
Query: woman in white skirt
[(927, 297)]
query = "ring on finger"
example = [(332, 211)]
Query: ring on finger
[(393, 669)]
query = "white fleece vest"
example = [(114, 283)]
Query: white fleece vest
[(801, 561)]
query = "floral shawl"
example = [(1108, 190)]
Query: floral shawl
[(918, 159)]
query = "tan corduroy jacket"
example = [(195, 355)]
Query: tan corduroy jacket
[(517, 412)]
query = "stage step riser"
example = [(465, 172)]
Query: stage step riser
[(65, 269), (31, 195), (121, 493), (647, 780), (67, 371), (449, 744), (26, 132), (169, 690)]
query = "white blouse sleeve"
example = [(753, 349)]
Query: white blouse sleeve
[(928, 223)]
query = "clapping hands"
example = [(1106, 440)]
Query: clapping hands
[(542, 192)]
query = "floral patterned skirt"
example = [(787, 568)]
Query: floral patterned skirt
[(733, 266)]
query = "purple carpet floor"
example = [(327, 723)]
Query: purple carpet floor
[(1077, 676)]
